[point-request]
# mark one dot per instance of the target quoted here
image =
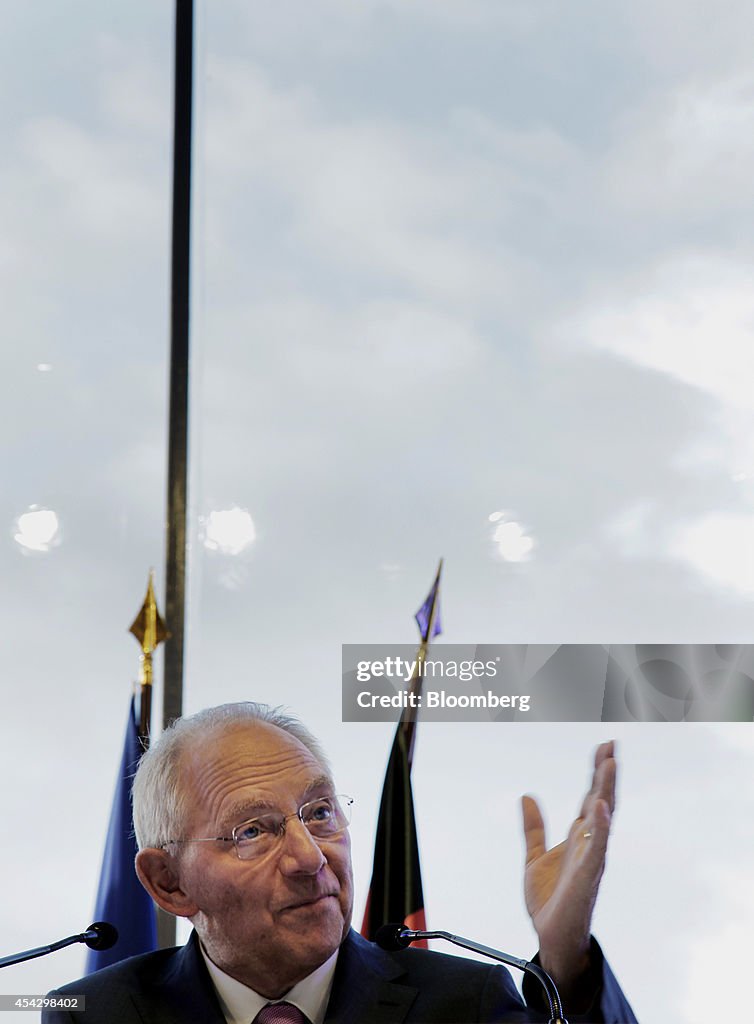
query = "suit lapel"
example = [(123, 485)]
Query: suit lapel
[(183, 993), (365, 988)]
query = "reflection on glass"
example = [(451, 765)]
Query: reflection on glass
[(230, 531), (37, 530), (512, 541)]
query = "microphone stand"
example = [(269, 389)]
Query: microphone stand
[(98, 936), (553, 998)]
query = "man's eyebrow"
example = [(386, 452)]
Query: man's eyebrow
[(244, 810), (320, 783)]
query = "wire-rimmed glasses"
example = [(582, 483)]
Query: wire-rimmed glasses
[(324, 818)]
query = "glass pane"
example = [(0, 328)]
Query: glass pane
[(86, 123), (471, 283)]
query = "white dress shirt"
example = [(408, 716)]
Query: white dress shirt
[(241, 1004)]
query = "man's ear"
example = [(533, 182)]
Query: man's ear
[(158, 873)]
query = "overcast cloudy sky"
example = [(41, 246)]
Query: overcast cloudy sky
[(453, 259)]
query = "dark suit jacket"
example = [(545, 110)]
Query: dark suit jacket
[(371, 986)]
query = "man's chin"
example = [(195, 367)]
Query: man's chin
[(318, 928)]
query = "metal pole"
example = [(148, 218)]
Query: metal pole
[(175, 566), (175, 555), (409, 714)]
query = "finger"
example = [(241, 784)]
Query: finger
[(605, 772), (534, 829), (603, 779), (588, 837), (603, 751)]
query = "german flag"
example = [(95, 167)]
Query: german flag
[(395, 891)]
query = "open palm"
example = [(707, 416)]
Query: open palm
[(561, 884)]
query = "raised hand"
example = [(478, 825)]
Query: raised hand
[(561, 884)]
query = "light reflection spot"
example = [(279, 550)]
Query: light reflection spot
[(229, 531)]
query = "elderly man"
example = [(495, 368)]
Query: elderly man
[(240, 829)]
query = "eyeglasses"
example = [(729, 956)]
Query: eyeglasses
[(323, 818)]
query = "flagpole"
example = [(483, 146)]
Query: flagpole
[(407, 723), (175, 557), (175, 533), (121, 899)]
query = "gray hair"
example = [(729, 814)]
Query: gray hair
[(158, 792)]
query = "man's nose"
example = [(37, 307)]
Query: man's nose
[(301, 853)]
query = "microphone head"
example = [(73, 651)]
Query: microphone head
[(100, 935), (392, 937)]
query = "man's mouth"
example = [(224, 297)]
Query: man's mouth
[(311, 901)]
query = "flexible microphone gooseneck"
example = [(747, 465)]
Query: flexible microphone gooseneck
[(394, 936), (99, 935)]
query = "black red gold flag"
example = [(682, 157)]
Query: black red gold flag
[(395, 891)]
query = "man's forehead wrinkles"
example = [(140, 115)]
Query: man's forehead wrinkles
[(222, 778), (254, 800), (255, 769), (252, 751), (252, 804), (246, 773)]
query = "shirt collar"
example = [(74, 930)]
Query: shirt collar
[(241, 1004)]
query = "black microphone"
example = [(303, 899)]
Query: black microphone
[(393, 937), (99, 935)]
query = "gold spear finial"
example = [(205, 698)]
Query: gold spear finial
[(149, 629)]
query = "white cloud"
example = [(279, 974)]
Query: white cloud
[(630, 530), (689, 38), (415, 339), (101, 187), (688, 152), (377, 196), (721, 547), (340, 26), (479, 15), (691, 317), (135, 87)]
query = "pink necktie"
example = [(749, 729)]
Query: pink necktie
[(280, 1013)]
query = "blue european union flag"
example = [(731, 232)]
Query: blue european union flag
[(121, 899)]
